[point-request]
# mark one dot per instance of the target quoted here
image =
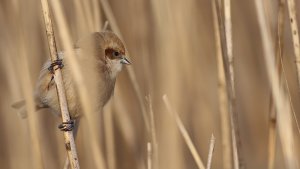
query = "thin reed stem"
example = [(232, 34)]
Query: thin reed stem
[(68, 135), (85, 5), (80, 18), (109, 135), (226, 44), (105, 26), (296, 45), (153, 135), (149, 156), (223, 99), (96, 15), (184, 133), (30, 106), (211, 151), (272, 112), (281, 101), (23, 69), (295, 35)]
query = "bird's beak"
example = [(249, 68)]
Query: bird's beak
[(125, 61)]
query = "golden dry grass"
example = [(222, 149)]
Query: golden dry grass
[(174, 51)]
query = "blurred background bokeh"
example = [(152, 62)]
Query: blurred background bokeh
[(173, 51)]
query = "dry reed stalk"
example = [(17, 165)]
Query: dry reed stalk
[(295, 35), (16, 73), (223, 99), (30, 106), (228, 34), (268, 13), (109, 135), (67, 164), (114, 26), (272, 114), (96, 15), (226, 45), (68, 135), (174, 51), (79, 81), (290, 99), (296, 45), (12, 72), (184, 133), (211, 151), (281, 101), (238, 161), (86, 6), (105, 26), (154, 143), (149, 155), (272, 138), (80, 18), (123, 120)]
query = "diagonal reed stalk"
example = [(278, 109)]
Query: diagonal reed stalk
[(68, 135), (211, 151), (184, 133), (272, 112), (223, 99), (226, 45), (281, 101)]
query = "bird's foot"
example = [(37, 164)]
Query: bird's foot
[(57, 62), (67, 126)]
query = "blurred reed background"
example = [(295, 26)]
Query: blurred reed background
[(174, 51)]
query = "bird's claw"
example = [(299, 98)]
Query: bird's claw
[(67, 126), (57, 62)]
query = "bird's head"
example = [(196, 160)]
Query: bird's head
[(108, 49)]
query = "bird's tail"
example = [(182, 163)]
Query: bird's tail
[(20, 106)]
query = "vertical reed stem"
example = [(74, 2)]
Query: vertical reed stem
[(295, 35), (223, 99), (68, 135), (296, 44), (149, 155), (84, 95), (226, 41), (281, 101), (153, 143), (30, 106)]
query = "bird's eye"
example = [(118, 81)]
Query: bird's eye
[(112, 53), (116, 54)]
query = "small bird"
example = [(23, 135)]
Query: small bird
[(101, 54)]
